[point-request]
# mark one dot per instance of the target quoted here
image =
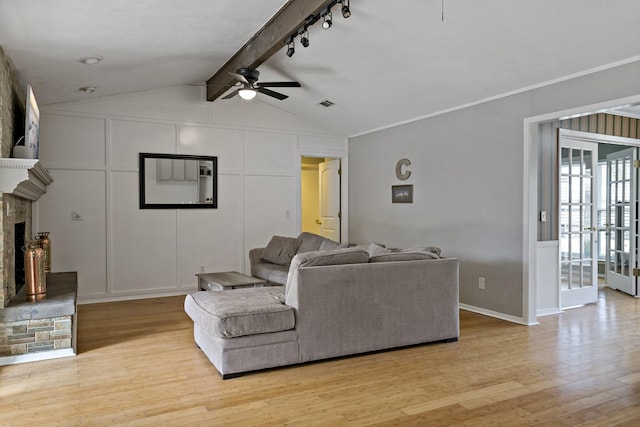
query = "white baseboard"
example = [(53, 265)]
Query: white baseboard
[(35, 357), (497, 315), (548, 312)]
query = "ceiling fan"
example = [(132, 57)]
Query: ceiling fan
[(250, 86)]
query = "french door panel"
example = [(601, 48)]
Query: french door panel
[(622, 220), (578, 254)]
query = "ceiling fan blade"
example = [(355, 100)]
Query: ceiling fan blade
[(232, 94), (272, 93), (280, 84), (240, 78), (205, 84)]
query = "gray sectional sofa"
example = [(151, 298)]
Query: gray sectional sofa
[(272, 262), (335, 302)]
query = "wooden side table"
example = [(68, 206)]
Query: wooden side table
[(227, 280)]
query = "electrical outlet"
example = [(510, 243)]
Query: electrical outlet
[(481, 282), (202, 269)]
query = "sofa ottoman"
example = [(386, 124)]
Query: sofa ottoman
[(244, 329)]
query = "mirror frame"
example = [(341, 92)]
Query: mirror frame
[(141, 181)]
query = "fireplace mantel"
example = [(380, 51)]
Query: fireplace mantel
[(25, 178)]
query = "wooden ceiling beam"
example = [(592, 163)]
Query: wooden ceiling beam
[(266, 42)]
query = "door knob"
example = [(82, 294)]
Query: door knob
[(318, 222)]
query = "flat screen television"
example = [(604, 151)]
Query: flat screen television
[(32, 124), (27, 147), (18, 119)]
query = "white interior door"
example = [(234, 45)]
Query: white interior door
[(329, 183), (622, 220), (578, 254)]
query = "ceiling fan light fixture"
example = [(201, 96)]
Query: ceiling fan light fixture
[(247, 93), (346, 12)]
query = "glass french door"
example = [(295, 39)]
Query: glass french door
[(578, 246), (622, 220)]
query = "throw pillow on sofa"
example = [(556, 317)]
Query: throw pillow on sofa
[(353, 255), (376, 249), (408, 255), (280, 250), (433, 249)]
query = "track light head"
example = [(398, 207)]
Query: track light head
[(304, 40), (346, 12), (290, 49), (326, 23)]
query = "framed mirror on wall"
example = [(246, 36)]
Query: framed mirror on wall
[(178, 181)]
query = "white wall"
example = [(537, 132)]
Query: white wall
[(91, 150), (468, 168)]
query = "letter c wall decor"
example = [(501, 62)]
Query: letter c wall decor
[(399, 173)]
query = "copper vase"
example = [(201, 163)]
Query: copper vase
[(45, 244), (34, 271)]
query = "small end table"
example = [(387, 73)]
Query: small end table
[(227, 280)]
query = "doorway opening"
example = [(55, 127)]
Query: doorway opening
[(541, 252), (320, 185), (598, 215)]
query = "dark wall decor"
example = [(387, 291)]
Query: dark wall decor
[(178, 181), (402, 194)]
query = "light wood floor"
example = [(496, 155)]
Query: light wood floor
[(137, 365)]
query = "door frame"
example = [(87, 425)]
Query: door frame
[(333, 153), (530, 195)]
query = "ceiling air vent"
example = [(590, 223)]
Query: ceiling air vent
[(326, 103)]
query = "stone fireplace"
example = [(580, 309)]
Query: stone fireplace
[(15, 211), (22, 181), (39, 330)]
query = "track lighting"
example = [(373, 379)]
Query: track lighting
[(291, 49), (304, 40), (326, 24), (346, 12)]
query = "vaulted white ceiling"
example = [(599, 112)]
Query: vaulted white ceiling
[(388, 63)]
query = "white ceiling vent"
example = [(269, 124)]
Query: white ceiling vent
[(326, 103)]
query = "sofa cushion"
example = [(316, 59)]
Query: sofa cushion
[(241, 312), (353, 255), (312, 242), (328, 245), (280, 250), (404, 256), (375, 249), (274, 273), (433, 249)]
